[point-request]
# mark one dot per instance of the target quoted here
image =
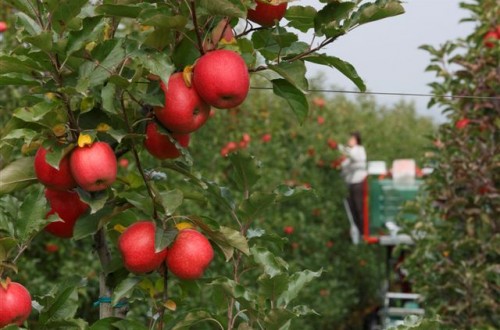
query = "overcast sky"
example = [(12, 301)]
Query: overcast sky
[(386, 55)]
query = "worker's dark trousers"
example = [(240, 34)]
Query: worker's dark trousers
[(356, 204)]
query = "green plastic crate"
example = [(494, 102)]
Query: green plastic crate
[(386, 200)]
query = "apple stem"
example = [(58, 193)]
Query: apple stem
[(196, 26)]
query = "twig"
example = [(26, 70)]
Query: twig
[(196, 26), (137, 159)]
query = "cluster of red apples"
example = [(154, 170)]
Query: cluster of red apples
[(187, 258), (92, 167), (219, 78)]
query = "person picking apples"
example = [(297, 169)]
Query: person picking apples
[(354, 173)]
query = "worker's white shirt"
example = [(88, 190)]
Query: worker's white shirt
[(354, 166)]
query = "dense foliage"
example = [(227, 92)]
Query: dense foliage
[(76, 68), (455, 263)]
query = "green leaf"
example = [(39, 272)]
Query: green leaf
[(25, 134), (293, 96), (69, 323), (193, 318), (108, 93), (272, 287), (222, 194), (293, 72), (24, 6), (222, 8), (235, 239), (344, 67), (158, 63), (328, 20), (131, 11), (10, 64), (28, 24), (164, 238), (31, 214), (105, 324), (42, 41), (127, 324), (92, 28), (244, 171), (124, 288), (7, 244), (17, 80), (64, 13), (273, 265), (139, 200), (370, 12), (89, 224), (171, 200), (296, 284), (36, 113), (65, 303), (162, 17), (96, 200), (108, 54), (272, 44), (257, 203), (301, 17), (278, 319)]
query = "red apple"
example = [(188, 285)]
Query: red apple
[(68, 206), (267, 12), (332, 144), (60, 179), (311, 151), (51, 247), (160, 146), (123, 162), (329, 244), (184, 110), (221, 78), (319, 102), (3, 27), (189, 255), (137, 247), (94, 167), (224, 152), (266, 138), (491, 37), (246, 137), (288, 230), (321, 120), (462, 123), (15, 303)]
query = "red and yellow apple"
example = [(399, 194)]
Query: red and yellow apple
[(94, 166)]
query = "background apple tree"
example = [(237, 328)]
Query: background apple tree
[(455, 263), (69, 67)]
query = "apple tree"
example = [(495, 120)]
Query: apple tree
[(455, 263), (97, 79)]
